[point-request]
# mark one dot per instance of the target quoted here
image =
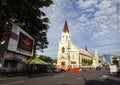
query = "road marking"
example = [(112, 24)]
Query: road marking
[(80, 78), (104, 77), (12, 83)]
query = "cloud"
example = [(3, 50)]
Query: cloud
[(83, 18), (90, 10), (91, 22), (105, 4), (106, 11), (101, 28), (86, 4)]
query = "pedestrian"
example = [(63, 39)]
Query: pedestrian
[(84, 69), (50, 72)]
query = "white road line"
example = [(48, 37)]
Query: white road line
[(12, 83), (80, 78)]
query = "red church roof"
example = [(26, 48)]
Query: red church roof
[(66, 27)]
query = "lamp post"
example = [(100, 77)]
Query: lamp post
[(4, 38), (5, 35)]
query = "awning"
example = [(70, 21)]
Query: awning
[(36, 60), (50, 64)]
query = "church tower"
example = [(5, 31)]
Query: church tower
[(70, 56), (65, 34), (64, 48)]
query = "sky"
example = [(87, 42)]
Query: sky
[(92, 23)]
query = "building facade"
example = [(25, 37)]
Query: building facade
[(17, 48), (70, 56)]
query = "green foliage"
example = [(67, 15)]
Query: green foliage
[(46, 59), (115, 61), (90, 62), (87, 61), (28, 15)]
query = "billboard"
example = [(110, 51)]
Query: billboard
[(20, 41), (113, 68), (25, 44)]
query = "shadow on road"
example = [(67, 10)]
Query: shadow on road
[(29, 75), (102, 82)]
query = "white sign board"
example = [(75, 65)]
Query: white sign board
[(113, 68)]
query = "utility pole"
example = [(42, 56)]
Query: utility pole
[(69, 54)]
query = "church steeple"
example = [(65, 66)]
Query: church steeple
[(65, 34), (65, 29)]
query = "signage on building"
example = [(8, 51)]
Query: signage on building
[(14, 36), (25, 44), (20, 41)]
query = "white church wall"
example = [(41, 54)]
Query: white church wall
[(73, 55)]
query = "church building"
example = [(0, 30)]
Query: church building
[(70, 56)]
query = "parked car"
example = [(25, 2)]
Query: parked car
[(107, 68), (57, 70), (98, 68)]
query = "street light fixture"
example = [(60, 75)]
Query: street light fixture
[(2, 42)]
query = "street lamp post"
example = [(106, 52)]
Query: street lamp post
[(4, 38)]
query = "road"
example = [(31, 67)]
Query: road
[(91, 77)]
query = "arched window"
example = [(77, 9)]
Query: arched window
[(62, 58), (63, 50)]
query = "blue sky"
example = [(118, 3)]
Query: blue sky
[(91, 22)]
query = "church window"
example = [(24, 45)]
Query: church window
[(63, 50), (62, 58), (73, 62), (66, 37)]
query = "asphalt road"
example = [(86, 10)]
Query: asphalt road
[(91, 77)]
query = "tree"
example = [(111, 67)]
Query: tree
[(46, 58), (87, 61), (84, 61), (90, 62), (115, 61), (28, 15)]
